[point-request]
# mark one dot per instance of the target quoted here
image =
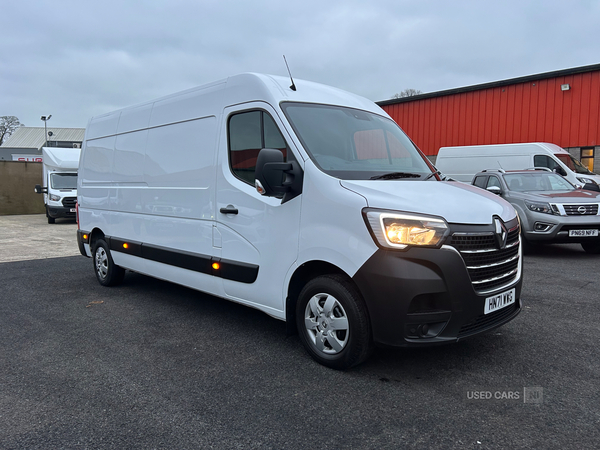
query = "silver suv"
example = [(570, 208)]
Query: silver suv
[(550, 208)]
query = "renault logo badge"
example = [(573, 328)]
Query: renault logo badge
[(501, 233)]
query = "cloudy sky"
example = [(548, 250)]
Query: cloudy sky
[(77, 59)]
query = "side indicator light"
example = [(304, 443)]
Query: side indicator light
[(85, 236), (216, 266), (125, 245)]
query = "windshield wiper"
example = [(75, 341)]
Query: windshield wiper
[(395, 176), (437, 172)]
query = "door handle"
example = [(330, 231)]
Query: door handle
[(229, 209)]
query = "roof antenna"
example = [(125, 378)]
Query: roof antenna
[(293, 86)]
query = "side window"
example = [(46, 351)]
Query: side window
[(493, 181), (480, 182), (545, 161), (540, 161), (248, 133)]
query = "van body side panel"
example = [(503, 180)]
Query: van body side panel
[(332, 227), (95, 176)]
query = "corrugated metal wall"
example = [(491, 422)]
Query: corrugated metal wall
[(535, 111)]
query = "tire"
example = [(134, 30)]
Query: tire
[(50, 219), (107, 272), (333, 322), (591, 247)]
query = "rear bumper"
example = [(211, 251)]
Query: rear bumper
[(82, 239), (425, 297)]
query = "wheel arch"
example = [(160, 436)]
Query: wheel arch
[(302, 274), (95, 234)]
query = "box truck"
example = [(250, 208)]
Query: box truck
[(59, 181), (303, 201), (462, 163)]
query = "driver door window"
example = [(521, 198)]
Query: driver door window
[(248, 133)]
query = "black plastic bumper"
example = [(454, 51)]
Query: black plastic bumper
[(82, 238), (57, 212), (425, 297)]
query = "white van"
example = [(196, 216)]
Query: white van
[(462, 163), (59, 182), (305, 202)]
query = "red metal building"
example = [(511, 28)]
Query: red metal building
[(561, 107)]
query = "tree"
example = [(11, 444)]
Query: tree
[(8, 124), (407, 93)]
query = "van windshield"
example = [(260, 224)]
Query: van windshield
[(574, 164), (353, 144), (63, 181)]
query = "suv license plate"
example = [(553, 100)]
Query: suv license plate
[(584, 233), (499, 301)]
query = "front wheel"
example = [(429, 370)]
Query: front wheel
[(107, 272), (333, 322), (50, 219), (591, 247)]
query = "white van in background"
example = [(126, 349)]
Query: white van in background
[(59, 182), (462, 163), (304, 201)]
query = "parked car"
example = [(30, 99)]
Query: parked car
[(551, 209)]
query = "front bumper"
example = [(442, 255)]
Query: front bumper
[(560, 227), (57, 212), (425, 296)]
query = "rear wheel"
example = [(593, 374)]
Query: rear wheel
[(591, 247), (107, 272), (333, 322)]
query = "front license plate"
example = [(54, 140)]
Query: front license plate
[(73, 210), (499, 301), (584, 233)]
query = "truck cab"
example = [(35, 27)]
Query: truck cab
[(59, 183)]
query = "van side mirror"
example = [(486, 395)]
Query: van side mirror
[(591, 187), (276, 178), (494, 190), (39, 189), (559, 170)]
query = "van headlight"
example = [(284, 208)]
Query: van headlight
[(585, 180), (54, 197), (399, 230)]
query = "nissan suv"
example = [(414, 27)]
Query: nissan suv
[(550, 208)]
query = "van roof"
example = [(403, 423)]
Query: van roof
[(518, 147), (210, 99)]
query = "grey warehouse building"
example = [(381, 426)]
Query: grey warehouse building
[(26, 143)]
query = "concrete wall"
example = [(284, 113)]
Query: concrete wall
[(17, 180)]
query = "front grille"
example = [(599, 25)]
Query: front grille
[(69, 202), (588, 209), (490, 267), (486, 321)]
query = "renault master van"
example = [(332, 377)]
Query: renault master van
[(304, 201), (462, 163)]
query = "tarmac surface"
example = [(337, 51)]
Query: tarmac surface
[(150, 364)]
